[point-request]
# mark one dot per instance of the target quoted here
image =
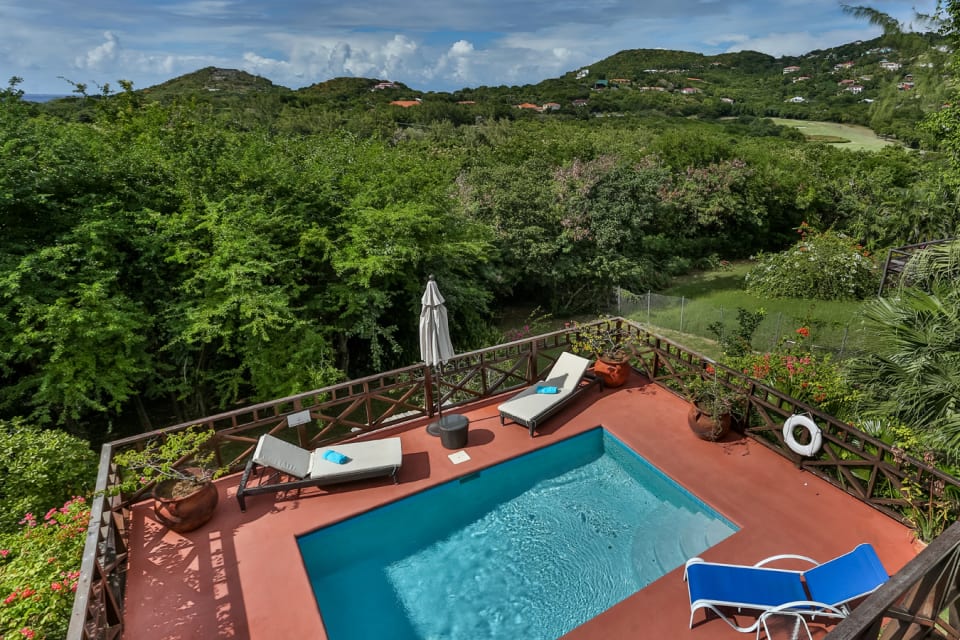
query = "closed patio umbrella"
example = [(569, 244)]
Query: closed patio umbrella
[(435, 345)]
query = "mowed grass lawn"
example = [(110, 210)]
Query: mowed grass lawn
[(685, 311), (846, 136)]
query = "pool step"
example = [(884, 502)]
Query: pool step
[(658, 549)]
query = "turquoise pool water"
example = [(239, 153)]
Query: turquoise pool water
[(530, 548)]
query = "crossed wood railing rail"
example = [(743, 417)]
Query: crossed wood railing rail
[(857, 463), (897, 259)]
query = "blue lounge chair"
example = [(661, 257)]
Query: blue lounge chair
[(824, 590)]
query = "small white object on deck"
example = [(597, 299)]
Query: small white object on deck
[(458, 457)]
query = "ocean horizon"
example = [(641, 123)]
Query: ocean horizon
[(43, 97)]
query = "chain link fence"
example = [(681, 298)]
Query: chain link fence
[(693, 317)]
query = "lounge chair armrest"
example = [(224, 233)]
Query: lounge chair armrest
[(787, 556)]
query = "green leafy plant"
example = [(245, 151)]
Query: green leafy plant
[(737, 342), (537, 322), (602, 341), (40, 467), (822, 266), (39, 568), (814, 379), (714, 397), (181, 456), (930, 509)]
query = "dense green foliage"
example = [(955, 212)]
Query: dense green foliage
[(821, 266), (161, 260), (40, 468)]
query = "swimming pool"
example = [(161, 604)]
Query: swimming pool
[(529, 548)]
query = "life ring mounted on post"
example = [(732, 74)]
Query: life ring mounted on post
[(816, 438)]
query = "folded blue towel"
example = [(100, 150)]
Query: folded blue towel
[(545, 389), (336, 456)]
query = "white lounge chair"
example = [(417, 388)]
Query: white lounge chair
[(295, 467), (530, 407)]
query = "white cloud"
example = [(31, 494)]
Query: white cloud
[(96, 57), (461, 48)]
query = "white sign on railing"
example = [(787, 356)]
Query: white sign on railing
[(298, 418)]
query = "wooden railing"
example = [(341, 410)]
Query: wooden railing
[(897, 259), (920, 601), (865, 467)]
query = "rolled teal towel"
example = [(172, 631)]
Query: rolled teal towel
[(336, 457), (545, 389)]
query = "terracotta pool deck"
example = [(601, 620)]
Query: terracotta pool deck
[(241, 576)]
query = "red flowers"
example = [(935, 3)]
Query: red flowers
[(710, 369), (803, 331)]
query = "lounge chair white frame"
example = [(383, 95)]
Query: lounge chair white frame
[(795, 594), (295, 468), (530, 408)]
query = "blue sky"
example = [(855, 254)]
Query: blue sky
[(433, 45)]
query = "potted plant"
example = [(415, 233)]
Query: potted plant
[(713, 405), (181, 469), (609, 346)]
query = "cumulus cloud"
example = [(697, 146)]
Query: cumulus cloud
[(105, 52)]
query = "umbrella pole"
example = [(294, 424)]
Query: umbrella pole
[(439, 397)]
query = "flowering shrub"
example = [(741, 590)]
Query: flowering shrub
[(39, 567), (823, 266), (40, 467), (813, 379)]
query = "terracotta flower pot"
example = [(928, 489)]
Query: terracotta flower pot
[(613, 371), (182, 513), (706, 426)]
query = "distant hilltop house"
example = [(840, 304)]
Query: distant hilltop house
[(905, 86), (653, 89), (890, 66), (847, 82), (579, 102), (601, 84), (854, 88), (583, 73), (727, 100), (790, 69), (380, 86), (406, 103), (466, 102), (529, 106), (620, 80), (801, 78), (797, 99), (690, 90), (843, 65), (551, 106)]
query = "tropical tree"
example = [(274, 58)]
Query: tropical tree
[(913, 370)]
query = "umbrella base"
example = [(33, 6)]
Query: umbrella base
[(450, 422)]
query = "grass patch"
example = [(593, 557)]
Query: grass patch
[(697, 301), (851, 136)]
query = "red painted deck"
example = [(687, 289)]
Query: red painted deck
[(241, 576)]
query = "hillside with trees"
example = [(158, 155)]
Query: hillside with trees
[(217, 239)]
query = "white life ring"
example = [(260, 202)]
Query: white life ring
[(816, 439)]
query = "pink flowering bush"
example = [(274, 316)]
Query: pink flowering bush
[(39, 567), (811, 378)]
